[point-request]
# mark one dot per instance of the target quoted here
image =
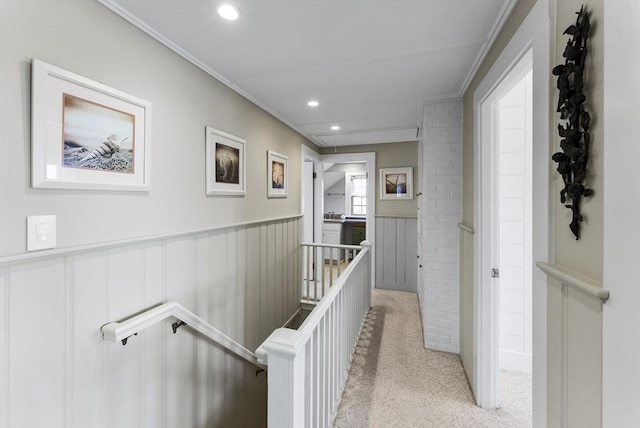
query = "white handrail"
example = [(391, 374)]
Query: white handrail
[(121, 331), (308, 367)]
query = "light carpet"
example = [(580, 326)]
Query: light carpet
[(395, 382)]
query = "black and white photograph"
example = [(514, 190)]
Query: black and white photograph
[(87, 135), (276, 175), (225, 163), (97, 137)]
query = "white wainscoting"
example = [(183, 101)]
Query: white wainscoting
[(396, 253), (55, 369), (574, 351)]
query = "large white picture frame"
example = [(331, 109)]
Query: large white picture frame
[(86, 135)]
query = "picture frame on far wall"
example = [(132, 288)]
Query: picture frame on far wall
[(225, 163), (86, 135), (396, 183), (277, 175)]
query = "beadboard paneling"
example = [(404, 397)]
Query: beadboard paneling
[(243, 280), (574, 356), (396, 254)]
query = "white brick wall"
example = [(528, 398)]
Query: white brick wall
[(440, 211)]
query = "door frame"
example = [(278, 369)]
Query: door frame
[(309, 155), (534, 36), (487, 115), (370, 159)]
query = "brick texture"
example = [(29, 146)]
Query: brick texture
[(440, 211)]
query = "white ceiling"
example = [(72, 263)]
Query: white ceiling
[(370, 63)]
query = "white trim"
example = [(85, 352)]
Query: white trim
[(621, 243), (533, 33), (122, 331), (507, 8), (123, 13), (370, 159), (62, 252), (568, 277)]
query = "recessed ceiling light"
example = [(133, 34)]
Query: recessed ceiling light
[(335, 128), (313, 103), (228, 11)]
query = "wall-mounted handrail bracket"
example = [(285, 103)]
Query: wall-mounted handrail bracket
[(124, 341), (176, 325)]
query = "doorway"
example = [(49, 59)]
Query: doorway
[(504, 259), (528, 50), (513, 240)]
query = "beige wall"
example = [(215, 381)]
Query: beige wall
[(585, 255), (239, 279), (87, 39), (518, 14), (391, 155)]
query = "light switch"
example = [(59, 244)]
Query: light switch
[(41, 232)]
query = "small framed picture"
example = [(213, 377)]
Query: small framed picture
[(277, 178), (225, 163), (396, 183), (86, 135)]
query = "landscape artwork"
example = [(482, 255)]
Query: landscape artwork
[(97, 137), (227, 164)]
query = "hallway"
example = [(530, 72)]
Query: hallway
[(395, 382)]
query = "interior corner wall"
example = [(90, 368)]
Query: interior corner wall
[(440, 211)]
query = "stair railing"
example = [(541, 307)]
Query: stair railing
[(123, 330), (323, 264), (308, 367)]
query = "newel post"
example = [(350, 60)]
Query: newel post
[(286, 376), (368, 246)]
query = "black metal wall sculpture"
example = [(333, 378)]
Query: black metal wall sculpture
[(574, 131)]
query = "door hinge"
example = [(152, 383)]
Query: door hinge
[(495, 273), (315, 175)]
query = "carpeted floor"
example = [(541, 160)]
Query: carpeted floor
[(395, 382)]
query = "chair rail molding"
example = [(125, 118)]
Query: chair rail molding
[(574, 279)]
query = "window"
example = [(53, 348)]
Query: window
[(359, 195)]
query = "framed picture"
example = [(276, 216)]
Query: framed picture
[(86, 135), (277, 178), (225, 163), (396, 183)]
